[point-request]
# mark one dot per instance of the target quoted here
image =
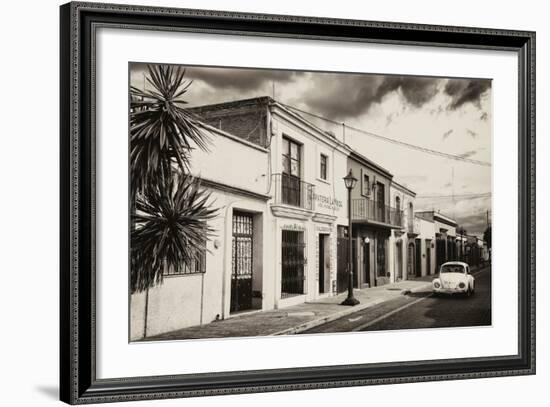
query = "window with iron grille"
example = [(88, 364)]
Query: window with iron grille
[(323, 169), (197, 265)]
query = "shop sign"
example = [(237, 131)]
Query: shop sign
[(326, 229), (327, 202), (293, 226)]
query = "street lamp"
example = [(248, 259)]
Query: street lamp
[(350, 182)]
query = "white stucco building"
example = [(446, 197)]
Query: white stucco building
[(403, 239), (203, 294), (445, 236), (276, 180)]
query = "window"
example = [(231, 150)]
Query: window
[(453, 268), (381, 202), (291, 183), (291, 157), (365, 185), (323, 169), (197, 266)]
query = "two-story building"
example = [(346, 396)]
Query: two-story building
[(403, 239), (373, 219), (308, 198)]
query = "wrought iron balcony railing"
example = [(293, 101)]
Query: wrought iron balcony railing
[(290, 190), (374, 211)]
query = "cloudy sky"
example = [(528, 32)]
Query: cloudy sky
[(451, 115)]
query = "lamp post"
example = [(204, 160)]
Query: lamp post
[(350, 182)]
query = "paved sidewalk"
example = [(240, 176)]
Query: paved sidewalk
[(297, 318)]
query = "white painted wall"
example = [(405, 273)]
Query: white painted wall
[(451, 230), (313, 145), (187, 300), (427, 236), (232, 161)]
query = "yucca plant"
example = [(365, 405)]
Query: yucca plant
[(170, 210), (170, 229), (162, 131)]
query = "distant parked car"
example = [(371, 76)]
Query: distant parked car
[(454, 278)]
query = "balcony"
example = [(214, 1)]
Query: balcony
[(367, 210), (292, 192)]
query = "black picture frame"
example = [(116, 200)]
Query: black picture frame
[(78, 382)]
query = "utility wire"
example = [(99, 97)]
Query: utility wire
[(482, 195), (390, 140)]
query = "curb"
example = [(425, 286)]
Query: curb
[(350, 310)]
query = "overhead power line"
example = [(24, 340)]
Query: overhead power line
[(482, 195), (393, 141)]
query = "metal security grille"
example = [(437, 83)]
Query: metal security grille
[(241, 262), (293, 263), (197, 266)]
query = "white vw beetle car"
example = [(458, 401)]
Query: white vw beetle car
[(454, 278)]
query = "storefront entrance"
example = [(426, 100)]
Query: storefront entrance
[(293, 263)]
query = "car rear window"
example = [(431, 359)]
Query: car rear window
[(452, 268)]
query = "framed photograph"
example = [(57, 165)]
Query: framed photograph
[(255, 203)]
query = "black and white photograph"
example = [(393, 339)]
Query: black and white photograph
[(269, 202)]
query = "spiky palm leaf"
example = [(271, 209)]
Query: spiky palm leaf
[(170, 229), (161, 129)]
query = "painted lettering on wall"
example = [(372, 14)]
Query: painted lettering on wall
[(293, 226), (326, 229), (327, 202)]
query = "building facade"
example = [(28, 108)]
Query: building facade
[(307, 195), (403, 239), (281, 230), (207, 291), (425, 247), (446, 244), (374, 219)]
